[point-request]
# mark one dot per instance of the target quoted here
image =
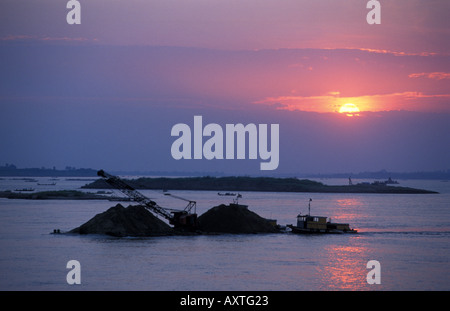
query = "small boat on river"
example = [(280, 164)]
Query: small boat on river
[(318, 224)]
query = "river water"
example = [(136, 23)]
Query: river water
[(409, 235)]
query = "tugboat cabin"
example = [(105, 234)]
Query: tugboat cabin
[(312, 223)]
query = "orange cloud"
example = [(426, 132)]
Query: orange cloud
[(396, 53), (431, 75)]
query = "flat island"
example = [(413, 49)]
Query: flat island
[(53, 195), (220, 184), (264, 184)]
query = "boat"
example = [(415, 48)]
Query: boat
[(318, 224), (47, 184)]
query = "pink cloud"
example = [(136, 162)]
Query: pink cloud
[(16, 37), (46, 38)]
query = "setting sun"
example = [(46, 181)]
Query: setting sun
[(349, 109)]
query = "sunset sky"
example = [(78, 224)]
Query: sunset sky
[(105, 93)]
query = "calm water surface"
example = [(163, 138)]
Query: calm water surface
[(408, 234)]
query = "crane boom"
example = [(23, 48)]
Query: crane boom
[(191, 204), (180, 219)]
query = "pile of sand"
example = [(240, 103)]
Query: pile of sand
[(234, 218), (134, 221)]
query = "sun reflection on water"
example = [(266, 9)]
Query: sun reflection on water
[(345, 268)]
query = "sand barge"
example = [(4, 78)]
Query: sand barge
[(133, 220), (137, 221), (234, 218)]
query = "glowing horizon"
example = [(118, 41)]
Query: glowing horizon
[(329, 103), (71, 94)]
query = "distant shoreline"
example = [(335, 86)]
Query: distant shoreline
[(11, 170)]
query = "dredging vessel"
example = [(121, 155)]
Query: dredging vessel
[(318, 224)]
